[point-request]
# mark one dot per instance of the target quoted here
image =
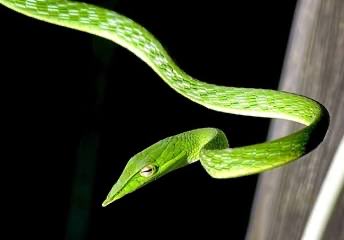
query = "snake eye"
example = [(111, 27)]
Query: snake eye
[(148, 171)]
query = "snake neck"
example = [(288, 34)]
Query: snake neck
[(202, 139)]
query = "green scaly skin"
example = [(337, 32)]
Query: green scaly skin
[(208, 145)]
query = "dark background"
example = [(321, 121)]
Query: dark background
[(82, 106)]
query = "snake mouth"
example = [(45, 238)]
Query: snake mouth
[(106, 202), (120, 189), (109, 200), (116, 192), (114, 196)]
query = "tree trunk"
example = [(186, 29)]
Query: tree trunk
[(314, 67)]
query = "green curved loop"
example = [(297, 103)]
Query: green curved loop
[(209, 145)]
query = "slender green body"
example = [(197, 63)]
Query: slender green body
[(208, 145)]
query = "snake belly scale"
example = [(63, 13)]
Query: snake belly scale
[(209, 145)]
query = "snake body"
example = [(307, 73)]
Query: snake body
[(209, 145)]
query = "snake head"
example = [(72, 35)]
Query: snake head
[(147, 166)]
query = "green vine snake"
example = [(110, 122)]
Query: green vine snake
[(209, 145)]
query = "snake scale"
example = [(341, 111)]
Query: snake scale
[(209, 145)]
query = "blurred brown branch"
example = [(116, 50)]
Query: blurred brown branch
[(314, 67)]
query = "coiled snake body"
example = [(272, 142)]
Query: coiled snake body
[(209, 145)]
